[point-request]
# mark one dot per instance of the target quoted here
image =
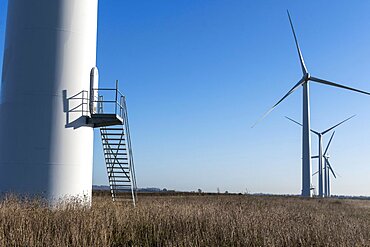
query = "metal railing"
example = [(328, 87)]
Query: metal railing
[(79, 103), (104, 101), (114, 104)]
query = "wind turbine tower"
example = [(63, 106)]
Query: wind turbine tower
[(322, 155), (306, 138), (50, 103), (328, 168)]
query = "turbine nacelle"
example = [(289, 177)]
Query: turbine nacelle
[(306, 77)]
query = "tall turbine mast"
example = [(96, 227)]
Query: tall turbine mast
[(306, 139)]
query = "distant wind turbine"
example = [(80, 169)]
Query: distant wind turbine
[(306, 139), (327, 168), (321, 155)]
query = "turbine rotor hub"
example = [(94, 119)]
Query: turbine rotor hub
[(307, 77)]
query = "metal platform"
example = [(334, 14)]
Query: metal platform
[(103, 119)]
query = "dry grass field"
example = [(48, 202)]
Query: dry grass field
[(188, 220)]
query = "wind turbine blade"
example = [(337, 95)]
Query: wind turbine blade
[(296, 86), (303, 66), (326, 131), (293, 121), (317, 133), (330, 168), (327, 147), (337, 85)]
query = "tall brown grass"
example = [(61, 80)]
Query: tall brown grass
[(224, 220)]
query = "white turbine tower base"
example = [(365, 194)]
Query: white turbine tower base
[(306, 139), (46, 149)]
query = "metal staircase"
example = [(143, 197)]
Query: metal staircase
[(105, 108), (119, 159), (108, 111)]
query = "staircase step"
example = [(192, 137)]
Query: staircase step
[(115, 153), (113, 148), (114, 144), (116, 141), (113, 134), (120, 185), (121, 181), (111, 163), (125, 175), (118, 167), (111, 128), (115, 158), (111, 156), (113, 139), (106, 152), (119, 172), (114, 174), (107, 141)]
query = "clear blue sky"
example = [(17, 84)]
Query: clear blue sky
[(198, 74)]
